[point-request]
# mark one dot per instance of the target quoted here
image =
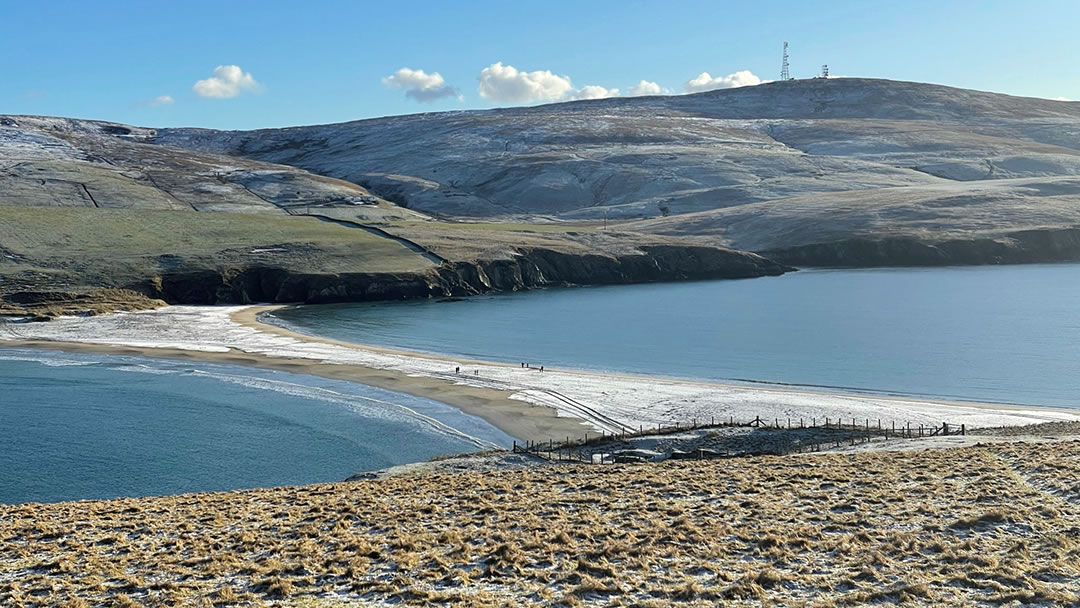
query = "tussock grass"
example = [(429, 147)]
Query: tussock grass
[(990, 525)]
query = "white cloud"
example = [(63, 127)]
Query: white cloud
[(227, 81), (420, 85), (646, 88), (707, 82), (161, 100), (507, 84), (593, 91)]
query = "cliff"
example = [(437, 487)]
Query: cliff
[(56, 261), (529, 269)]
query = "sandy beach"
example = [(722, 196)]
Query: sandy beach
[(524, 403)]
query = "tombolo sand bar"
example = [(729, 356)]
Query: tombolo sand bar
[(995, 525), (523, 403)]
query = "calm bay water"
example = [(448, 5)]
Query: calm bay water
[(1008, 334), (91, 426)]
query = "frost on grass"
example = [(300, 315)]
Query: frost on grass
[(989, 525)]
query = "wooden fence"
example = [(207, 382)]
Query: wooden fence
[(598, 448)]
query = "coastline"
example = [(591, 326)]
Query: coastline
[(519, 419), (250, 318), (522, 403)]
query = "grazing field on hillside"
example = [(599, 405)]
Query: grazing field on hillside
[(280, 240), (483, 240), (74, 249), (988, 525)]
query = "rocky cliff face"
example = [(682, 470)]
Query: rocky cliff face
[(530, 269)]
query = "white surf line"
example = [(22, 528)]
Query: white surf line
[(633, 401), (410, 414)]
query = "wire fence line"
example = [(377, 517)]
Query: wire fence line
[(599, 448)]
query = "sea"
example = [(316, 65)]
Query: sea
[(1001, 334), (79, 426)]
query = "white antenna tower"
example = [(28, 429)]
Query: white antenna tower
[(784, 72)]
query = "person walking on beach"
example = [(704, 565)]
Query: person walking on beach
[(457, 370), (541, 369)]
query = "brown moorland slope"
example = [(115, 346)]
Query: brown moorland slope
[(987, 525)]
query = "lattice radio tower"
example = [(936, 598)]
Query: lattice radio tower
[(784, 73)]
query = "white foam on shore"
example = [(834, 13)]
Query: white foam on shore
[(603, 400)]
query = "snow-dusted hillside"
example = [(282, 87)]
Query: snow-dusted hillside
[(643, 157), (768, 168), (64, 162)]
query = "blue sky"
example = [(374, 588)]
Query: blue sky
[(319, 62)]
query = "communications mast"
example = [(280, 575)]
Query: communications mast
[(784, 72)]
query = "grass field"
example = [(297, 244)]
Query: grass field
[(488, 240), (79, 233), (988, 525)]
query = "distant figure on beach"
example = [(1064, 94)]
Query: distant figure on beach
[(476, 372), (541, 369), (457, 370)]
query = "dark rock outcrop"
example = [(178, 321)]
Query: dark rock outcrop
[(530, 269)]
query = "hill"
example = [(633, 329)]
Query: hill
[(903, 166), (837, 172), (94, 217)]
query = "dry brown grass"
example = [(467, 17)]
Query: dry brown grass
[(991, 525)]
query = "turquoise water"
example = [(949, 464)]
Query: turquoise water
[(91, 426), (1008, 334)]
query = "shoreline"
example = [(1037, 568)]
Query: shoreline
[(250, 317), (519, 419), (521, 402)]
